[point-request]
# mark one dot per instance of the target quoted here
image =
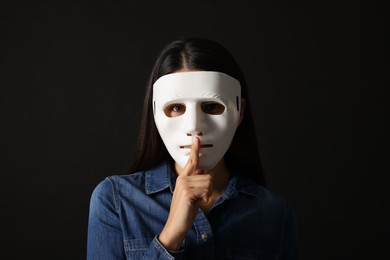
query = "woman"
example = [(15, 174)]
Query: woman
[(195, 189)]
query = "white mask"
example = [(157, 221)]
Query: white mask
[(208, 105)]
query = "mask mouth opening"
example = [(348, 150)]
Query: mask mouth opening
[(198, 134), (200, 146)]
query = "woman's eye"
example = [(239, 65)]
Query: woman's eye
[(174, 110), (177, 108), (212, 108)]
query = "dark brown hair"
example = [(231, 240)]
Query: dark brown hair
[(198, 54)]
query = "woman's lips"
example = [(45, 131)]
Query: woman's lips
[(200, 146)]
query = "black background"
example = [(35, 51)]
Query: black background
[(72, 83)]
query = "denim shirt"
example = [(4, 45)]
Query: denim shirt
[(127, 213)]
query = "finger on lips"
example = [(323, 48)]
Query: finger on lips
[(191, 166)]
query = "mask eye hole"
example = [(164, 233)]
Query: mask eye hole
[(174, 110), (212, 108)]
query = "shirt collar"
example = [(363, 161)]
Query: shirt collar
[(158, 178), (162, 176), (248, 187), (238, 184)]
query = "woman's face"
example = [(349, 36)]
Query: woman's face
[(202, 104)]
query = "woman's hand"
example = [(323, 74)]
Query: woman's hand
[(193, 188)]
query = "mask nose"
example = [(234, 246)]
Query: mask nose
[(193, 121)]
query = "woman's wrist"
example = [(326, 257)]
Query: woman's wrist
[(169, 242)]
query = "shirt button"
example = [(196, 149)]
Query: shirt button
[(204, 237)]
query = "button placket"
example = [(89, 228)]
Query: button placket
[(203, 228)]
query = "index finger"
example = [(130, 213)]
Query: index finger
[(192, 163)]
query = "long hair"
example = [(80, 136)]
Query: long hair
[(207, 55)]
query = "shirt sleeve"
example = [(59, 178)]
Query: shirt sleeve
[(157, 251), (105, 239)]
